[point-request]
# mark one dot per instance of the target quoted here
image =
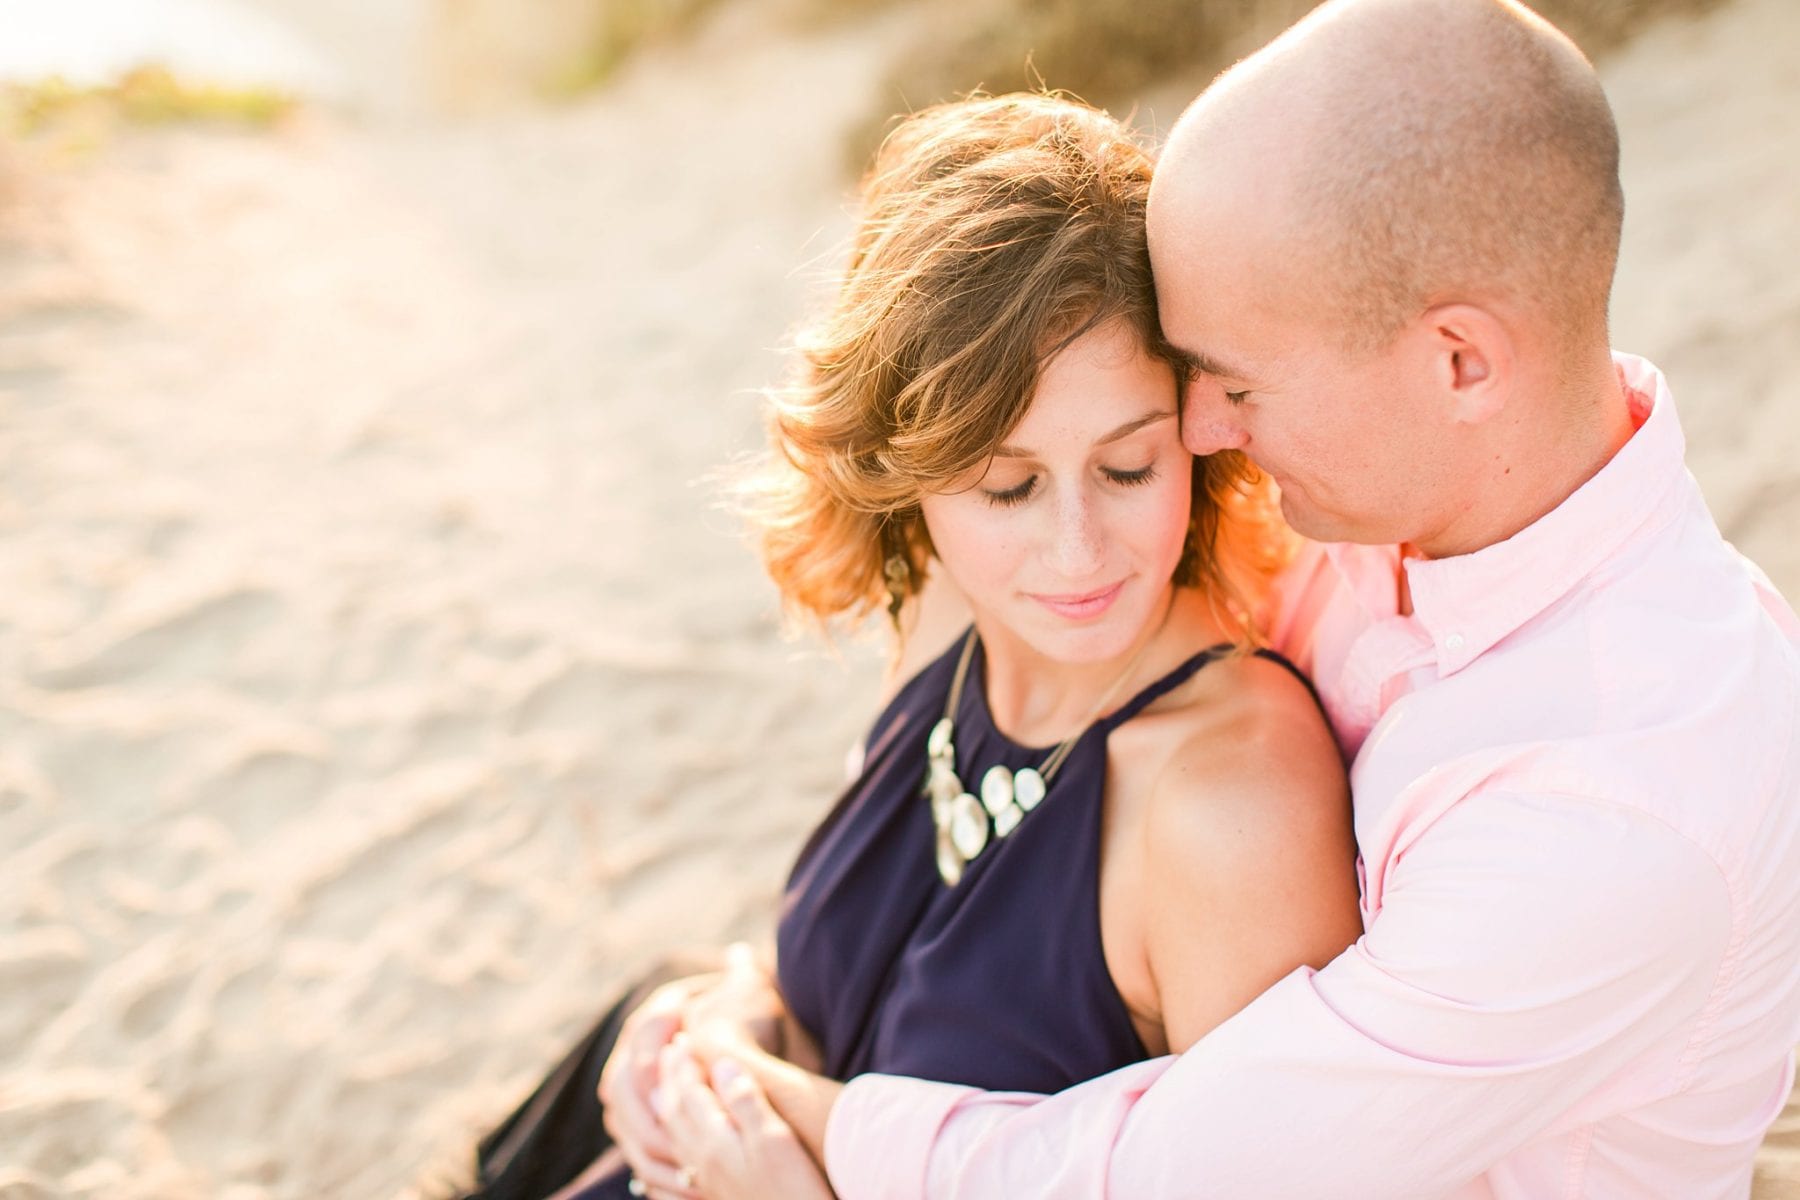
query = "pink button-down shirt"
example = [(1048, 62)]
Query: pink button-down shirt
[(1576, 775)]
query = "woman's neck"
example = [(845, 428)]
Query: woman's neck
[(1039, 701)]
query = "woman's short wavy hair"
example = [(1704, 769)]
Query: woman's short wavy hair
[(994, 232)]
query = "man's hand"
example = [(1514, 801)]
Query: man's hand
[(802, 1099)]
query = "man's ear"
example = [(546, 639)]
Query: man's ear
[(1472, 360)]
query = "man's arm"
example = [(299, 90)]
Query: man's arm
[(1532, 954)]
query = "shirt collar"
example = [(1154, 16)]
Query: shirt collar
[(1469, 602)]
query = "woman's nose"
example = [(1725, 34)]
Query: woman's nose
[(1078, 545)]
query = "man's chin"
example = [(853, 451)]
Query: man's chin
[(1307, 521), (1317, 526)]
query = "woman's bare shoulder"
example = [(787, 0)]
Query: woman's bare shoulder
[(1248, 848), (1250, 754)]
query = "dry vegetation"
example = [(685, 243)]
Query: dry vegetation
[(1110, 51), (149, 95), (1106, 51), (622, 27)]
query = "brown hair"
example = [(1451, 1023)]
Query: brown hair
[(995, 231)]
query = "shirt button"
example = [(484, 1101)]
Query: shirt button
[(1454, 642)]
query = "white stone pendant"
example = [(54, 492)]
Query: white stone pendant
[(968, 826), (1007, 820), (938, 744), (997, 790), (949, 862), (940, 811), (1028, 788)]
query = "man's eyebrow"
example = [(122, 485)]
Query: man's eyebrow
[(1206, 364), (1123, 431)]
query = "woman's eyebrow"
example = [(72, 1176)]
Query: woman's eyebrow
[(1123, 431)]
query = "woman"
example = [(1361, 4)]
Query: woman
[(1092, 824)]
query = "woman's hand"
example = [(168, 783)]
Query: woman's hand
[(630, 1076), (739, 1007), (742, 1006), (733, 1143)]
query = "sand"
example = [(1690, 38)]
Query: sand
[(380, 684)]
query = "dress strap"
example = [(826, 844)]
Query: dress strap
[(1276, 656), (1163, 686), (1187, 671)]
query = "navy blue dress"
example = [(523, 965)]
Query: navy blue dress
[(999, 982)]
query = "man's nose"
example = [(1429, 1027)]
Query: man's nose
[(1209, 422)]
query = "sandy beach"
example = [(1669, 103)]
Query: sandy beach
[(381, 682)]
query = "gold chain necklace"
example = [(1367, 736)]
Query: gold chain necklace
[(966, 825)]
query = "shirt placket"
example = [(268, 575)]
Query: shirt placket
[(1380, 669)]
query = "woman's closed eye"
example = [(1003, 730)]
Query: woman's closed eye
[(1135, 478), (1017, 494), (1236, 398), (1020, 492)]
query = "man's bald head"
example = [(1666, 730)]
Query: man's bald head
[(1411, 153)]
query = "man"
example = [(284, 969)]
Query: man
[(1386, 242)]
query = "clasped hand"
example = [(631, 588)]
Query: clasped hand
[(689, 1119)]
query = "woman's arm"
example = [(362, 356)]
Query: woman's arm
[(1249, 851)]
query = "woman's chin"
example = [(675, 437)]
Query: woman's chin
[(1078, 642)]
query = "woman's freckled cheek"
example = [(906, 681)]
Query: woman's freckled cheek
[(976, 544)]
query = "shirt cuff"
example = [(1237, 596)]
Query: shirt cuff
[(878, 1137)]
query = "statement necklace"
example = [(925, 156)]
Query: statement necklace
[(965, 825)]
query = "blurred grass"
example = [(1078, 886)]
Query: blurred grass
[(149, 95), (1105, 51), (622, 28)]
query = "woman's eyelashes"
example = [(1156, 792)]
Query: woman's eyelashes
[(1019, 493), (1135, 478)]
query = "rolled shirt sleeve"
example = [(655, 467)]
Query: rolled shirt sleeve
[(1536, 961)]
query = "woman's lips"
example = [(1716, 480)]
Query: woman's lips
[(1083, 606)]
